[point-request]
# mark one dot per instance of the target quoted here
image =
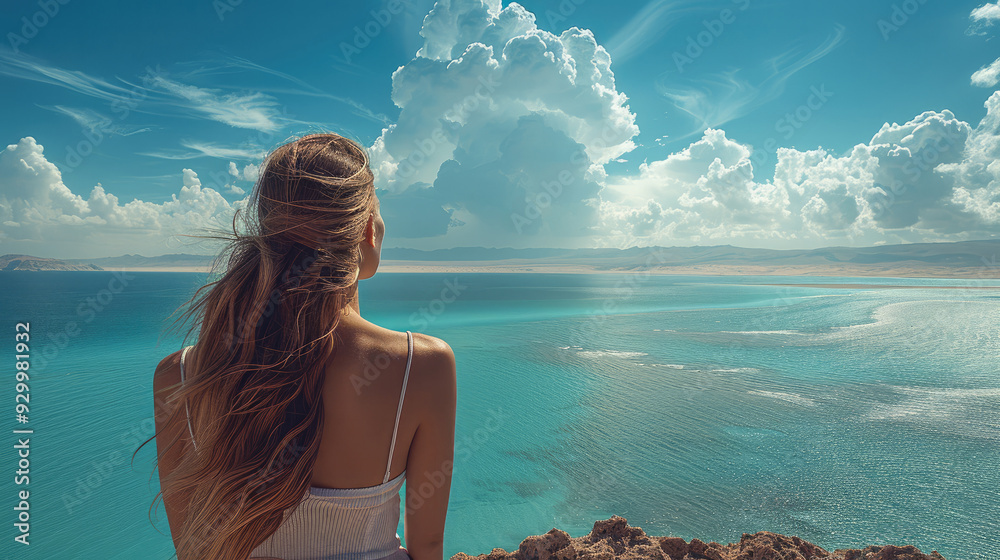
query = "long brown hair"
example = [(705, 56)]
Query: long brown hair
[(266, 329)]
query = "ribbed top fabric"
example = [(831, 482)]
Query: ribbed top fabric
[(340, 523)]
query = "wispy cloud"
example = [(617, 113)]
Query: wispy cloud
[(655, 19), (95, 121), (207, 149), (716, 99), (233, 64), (984, 16), (987, 76), (987, 12), (27, 67), (307, 89), (253, 110)]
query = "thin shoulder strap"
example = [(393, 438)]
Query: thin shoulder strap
[(399, 409), (187, 409)]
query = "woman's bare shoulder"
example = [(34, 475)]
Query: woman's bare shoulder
[(433, 366), (167, 372), (432, 348), (429, 352)]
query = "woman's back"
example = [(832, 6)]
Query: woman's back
[(351, 510), (361, 397), (293, 394)]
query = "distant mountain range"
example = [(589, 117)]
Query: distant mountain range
[(957, 258), (137, 262), (956, 254)]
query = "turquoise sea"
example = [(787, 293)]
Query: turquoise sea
[(693, 406)]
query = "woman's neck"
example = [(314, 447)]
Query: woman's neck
[(352, 306)]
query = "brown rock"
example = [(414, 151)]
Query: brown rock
[(714, 551), (543, 547), (566, 553), (888, 552), (771, 546), (618, 530), (495, 554), (674, 547), (614, 539)]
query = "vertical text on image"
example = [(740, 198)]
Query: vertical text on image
[(22, 357)]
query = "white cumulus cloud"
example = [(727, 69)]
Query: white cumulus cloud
[(501, 123), (40, 215), (932, 178), (977, 176), (987, 12), (987, 76), (983, 17), (502, 139)]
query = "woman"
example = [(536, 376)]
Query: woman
[(288, 429)]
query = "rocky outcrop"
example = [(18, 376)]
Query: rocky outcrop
[(27, 262), (614, 539)]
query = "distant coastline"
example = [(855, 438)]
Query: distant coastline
[(457, 267), (960, 260), (28, 263), (700, 270), (884, 287)]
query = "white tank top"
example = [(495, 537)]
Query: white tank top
[(340, 523)]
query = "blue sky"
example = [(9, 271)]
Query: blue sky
[(543, 124)]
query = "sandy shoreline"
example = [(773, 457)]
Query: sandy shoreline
[(521, 267), (882, 286)]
